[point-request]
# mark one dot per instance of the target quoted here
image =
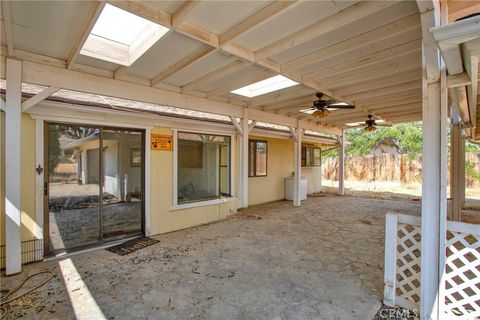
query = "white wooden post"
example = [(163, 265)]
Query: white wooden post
[(434, 175), (390, 275), (455, 150), (341, 164), (12, 166), (244, 159), (461, 171), (39, 180), (298, 167)]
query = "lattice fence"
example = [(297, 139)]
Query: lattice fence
[(460, 286), (462, 271)]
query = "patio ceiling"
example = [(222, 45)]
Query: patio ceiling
[(365, 53)]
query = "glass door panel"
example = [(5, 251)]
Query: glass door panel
[(73, 186), (122, 159)]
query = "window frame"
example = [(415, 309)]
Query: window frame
[(200, 203), (303, 158), (255, 175)]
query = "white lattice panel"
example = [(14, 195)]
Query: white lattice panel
[(462, 275), (408, 262)]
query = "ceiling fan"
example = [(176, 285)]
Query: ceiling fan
[(370, 124), (322, 108)]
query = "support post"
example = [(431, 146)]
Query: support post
[(455, 166), (434, 175), (341, 164), (244, 159), (298, 167), (12, 166), (461, 171)]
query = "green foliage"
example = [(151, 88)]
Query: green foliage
[(54, 147), (471, 171), (407, 137)]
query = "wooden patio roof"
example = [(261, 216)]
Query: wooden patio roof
[(366, 53)]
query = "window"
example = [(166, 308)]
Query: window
[(311, 156), (203, 167), (257, 158)]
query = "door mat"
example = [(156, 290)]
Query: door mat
[(132, 246)]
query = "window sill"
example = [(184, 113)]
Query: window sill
[(201, 203)]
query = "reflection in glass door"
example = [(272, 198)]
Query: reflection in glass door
[(77, 171), (73, 186), (122, 182)]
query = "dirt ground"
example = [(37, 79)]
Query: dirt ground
[(323, 260)]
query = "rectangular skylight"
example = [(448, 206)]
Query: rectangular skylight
[(265, 86), (121, 37)]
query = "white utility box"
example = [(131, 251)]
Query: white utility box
[(289, 185)]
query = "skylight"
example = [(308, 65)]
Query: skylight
[(119, 25), (265, 86), (121, 37)]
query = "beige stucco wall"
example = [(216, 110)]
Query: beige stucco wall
[(163, 218), (27, 179), (280, 164)]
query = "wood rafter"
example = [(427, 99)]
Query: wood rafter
[(389, 54), (215, 75), (39, 97), (90, 23), (5, 7), (375, 72), (215, 42), (382, 33), (338, 20)]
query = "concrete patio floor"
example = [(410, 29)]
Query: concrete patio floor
[(323, 260)]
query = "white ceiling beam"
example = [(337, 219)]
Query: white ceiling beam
[(181, 14), (389, 54), (215, 75), (259, 17), (183, 63), (386, 91), (5, 6), (372, 73), (292, 103), (338, 20), (39, 97), (90, 23), (144, 10), (405, 25), (458, 80), (237, 125), (78, 81), (387, 81), (392, 98)]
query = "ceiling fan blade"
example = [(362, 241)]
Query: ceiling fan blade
[(383, 124), (309, 110), (341, 106), (356, 124)]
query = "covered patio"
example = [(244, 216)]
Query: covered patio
[(193, 110)]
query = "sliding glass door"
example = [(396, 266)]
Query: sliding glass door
[(86, 164), (122, 182)]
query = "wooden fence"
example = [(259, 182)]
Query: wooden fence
[(387, 167)]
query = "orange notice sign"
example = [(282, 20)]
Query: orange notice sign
[(161, 142)]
